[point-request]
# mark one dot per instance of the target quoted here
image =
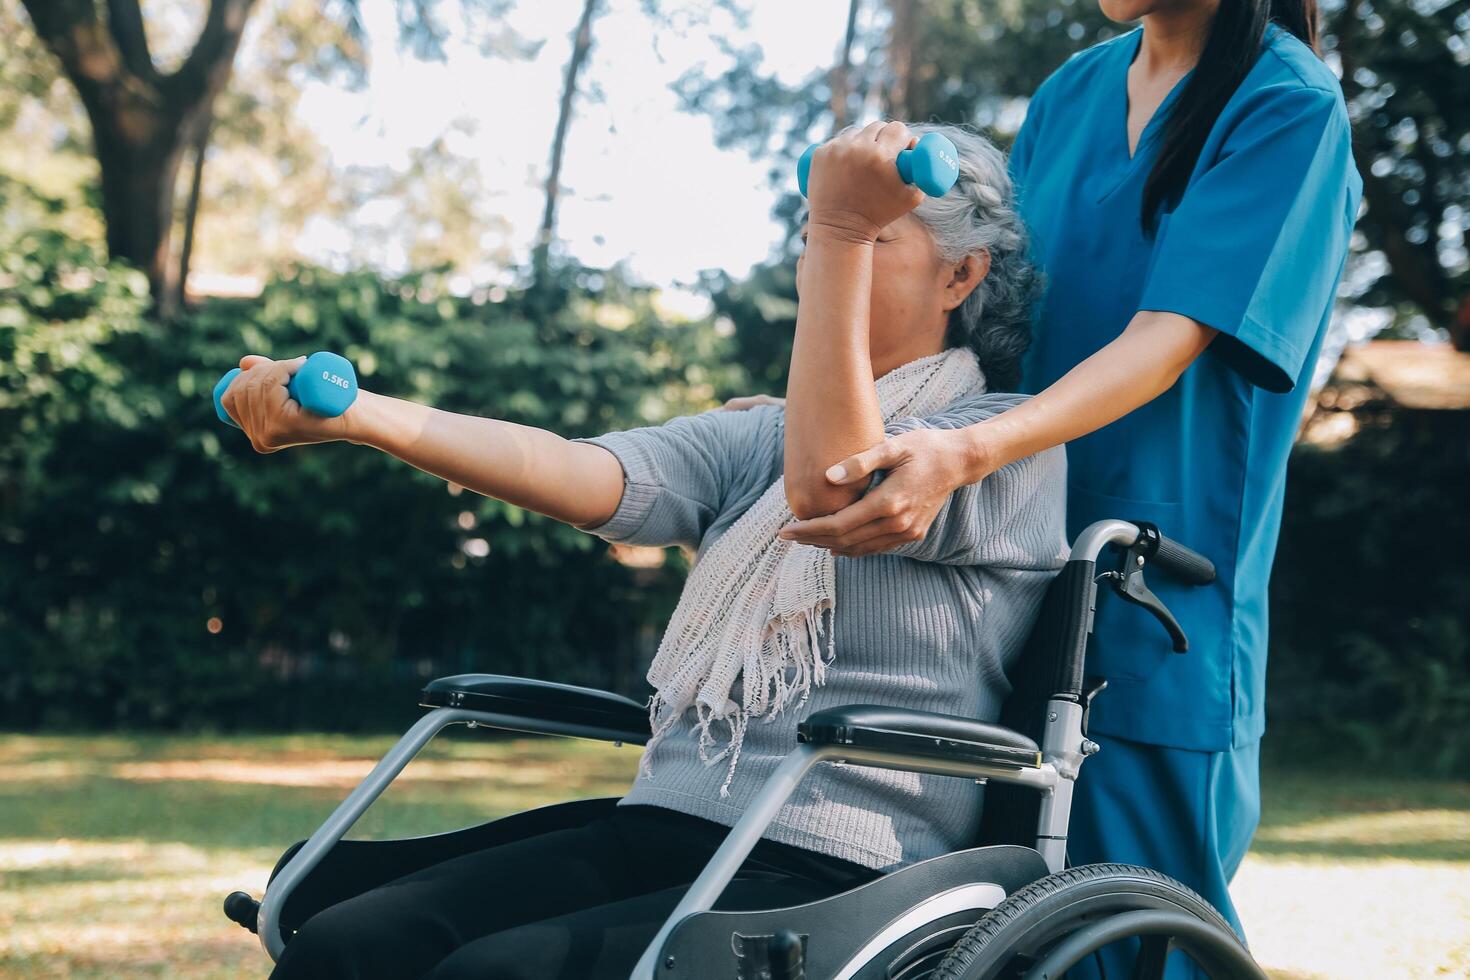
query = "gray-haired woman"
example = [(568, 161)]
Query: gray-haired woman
[(767, 630)]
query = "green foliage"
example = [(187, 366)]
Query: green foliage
[(1371, 637), (1406, 72), (338, 577)]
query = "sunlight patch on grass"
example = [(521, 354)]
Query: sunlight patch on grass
[(80, 908), (1425, 828), (334, 773), (1368, 920)]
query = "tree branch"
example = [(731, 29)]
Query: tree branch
[(125, 22), (214, 53), (70, 28)]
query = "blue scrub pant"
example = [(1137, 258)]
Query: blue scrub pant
[(1188, 814)]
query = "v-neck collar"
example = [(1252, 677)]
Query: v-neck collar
[(1161, 112), (1124, 165)]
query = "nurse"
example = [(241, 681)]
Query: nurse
[(1191, 192)]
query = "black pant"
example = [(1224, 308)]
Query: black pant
[(569, 904)]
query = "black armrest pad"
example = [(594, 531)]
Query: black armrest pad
[(544, 700), (919, 733)]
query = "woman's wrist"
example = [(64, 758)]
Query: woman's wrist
[(978, 452), (844, 227), (366, 422)]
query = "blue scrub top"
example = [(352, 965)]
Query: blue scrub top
[(1254, 248)]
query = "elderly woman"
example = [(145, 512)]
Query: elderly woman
[(932, 341)]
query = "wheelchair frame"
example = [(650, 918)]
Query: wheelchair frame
[(898, 739)]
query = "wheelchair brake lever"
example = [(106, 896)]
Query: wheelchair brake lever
[(1128, 583)]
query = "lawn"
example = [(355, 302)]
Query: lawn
[(115, 852)]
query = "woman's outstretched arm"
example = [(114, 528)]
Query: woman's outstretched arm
[(575, 482)]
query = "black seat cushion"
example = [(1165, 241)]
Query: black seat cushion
[(523, 697)]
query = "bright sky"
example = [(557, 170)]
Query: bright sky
[(643, 181)]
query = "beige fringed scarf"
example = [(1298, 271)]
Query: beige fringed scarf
[(754, 605)]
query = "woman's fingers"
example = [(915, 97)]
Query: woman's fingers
[(872, 507), (259, 401), (893, 136), (883, 456)]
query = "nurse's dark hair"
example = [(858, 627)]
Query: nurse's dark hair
[(1237, 36), (979, 215)]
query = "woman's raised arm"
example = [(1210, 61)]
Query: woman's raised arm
[(831, 405)]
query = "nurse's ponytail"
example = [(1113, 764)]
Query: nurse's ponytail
[(1236, 38)]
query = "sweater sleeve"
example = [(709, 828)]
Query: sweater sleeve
[(680, 476), (1014, 518)]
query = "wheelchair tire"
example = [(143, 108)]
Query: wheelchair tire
[(1017, 933)]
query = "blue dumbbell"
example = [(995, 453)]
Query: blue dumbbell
[(325, 385), (932, 166)]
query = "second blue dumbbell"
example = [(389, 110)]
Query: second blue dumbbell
[(932, 166), (325, 385)]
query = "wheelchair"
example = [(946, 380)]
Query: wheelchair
[(1010, 906)]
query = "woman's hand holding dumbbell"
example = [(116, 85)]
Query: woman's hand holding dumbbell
[(854, 188), (273, 405)]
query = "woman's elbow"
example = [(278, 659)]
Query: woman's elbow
[(810, 498)]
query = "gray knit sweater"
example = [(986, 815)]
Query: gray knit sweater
[(933, 625)]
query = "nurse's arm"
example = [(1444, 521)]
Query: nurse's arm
[(924, 467), (1139, 366)]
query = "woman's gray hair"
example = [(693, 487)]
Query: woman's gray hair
[(979, 215)]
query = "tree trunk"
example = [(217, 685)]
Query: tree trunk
[(191, 214), (897, 94), (581, 45), (141, 119), (842, 73)]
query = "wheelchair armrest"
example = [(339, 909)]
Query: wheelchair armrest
[(922, 733), (533, 700)]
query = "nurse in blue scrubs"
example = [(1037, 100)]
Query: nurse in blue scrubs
[(1191, 192)]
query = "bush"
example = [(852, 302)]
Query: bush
[(155, 571), (1370, 659)]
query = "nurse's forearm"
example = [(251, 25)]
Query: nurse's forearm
[(831, 405), (575, 482), (1141, 364)]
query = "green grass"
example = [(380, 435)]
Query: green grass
[(116, 851)]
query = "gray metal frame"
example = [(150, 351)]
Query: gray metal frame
[(268, 918), (1063, 749)]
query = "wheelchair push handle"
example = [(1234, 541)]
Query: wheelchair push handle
[(1180, 562)]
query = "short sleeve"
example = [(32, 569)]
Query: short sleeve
[(1014, 518), (677, 477), (1257, 242)]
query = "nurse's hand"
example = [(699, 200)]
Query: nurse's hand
[(258, 401), (854, 185), (923, 467)]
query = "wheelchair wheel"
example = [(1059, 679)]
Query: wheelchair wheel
[(1059, 920)]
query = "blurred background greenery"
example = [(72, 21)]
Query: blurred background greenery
[(155, 573), (165, 592)]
